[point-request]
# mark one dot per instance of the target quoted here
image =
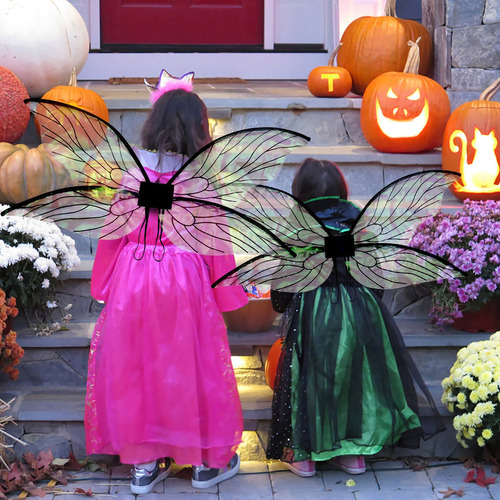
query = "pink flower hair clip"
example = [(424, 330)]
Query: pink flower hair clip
[(167, 82)]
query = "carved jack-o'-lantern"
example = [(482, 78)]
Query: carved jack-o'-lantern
[(329, 80), (471, 146), (404, 112)]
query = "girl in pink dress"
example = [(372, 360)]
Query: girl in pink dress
[(160, 380)]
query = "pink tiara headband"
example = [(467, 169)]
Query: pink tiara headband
[(167, 82)]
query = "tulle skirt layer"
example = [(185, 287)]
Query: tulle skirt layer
[(161, 383), (346, 384)]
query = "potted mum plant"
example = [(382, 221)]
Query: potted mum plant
[(32, 255), (471, 392), (10, 351), (469, 239)]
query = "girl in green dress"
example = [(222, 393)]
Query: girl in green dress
[(346, 385)]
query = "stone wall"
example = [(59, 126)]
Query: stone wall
[(466, 45)]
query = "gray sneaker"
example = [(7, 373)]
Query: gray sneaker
[(204, 477), (143, 481)]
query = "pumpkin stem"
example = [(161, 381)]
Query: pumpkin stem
[(390, 8), (490, 91), (72, 79), (413, 59), (334, 53)]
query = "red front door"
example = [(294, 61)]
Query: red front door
[(182, 22)]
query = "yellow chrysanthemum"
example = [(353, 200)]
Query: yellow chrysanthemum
[(483, 392), (480, 441), (471, 431), (468, 382), (487, 434), (478, 369), (474, 396), (461, 398), (485, 377)]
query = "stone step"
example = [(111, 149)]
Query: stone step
[(67, 404), (60, 360)]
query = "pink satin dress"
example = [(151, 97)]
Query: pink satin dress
[(160, 380)]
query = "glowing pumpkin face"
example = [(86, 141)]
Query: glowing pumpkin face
[(471, 146), (404, 113)]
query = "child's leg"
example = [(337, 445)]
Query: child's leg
[(205, 477), (146, 475), (349, 463), (303, 468)]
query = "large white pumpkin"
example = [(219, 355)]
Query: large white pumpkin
[(41, 41)]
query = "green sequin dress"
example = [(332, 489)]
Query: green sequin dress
[(345, 383)]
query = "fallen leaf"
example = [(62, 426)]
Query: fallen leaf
[(59, 462), (59, 477), (469, 477), (416, 463), (350, 483), (73, 463), (451, 491), (81, 491), (481, 478), (33, 490), (44, 459), (470, 463)]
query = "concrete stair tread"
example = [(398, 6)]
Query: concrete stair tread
[(67, 404), (417, 332)]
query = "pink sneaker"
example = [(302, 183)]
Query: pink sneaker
[(304, 468), (349, 464)]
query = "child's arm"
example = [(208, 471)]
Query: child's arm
[(104, 263), (228, 298)]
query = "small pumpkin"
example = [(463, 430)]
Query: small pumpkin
[(272, 362), (404, 112), (329, 80), (79, 97), (375, 45), (27, 172), (471, 146), (14, 114)]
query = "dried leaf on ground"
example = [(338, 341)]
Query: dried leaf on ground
[(451, 491), (34, 490), (81, 491), (416, 463), (478, 476)]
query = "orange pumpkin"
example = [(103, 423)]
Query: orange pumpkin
[(25, 172), (329, 80), (471, 146), (375, 45), (79, 97), (272, 362), (14, 114), (403, 112)]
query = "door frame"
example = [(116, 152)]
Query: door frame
[(266, 65)]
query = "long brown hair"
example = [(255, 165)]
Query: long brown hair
[(318, 178), (178, 122)]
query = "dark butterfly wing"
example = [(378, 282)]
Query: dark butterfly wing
[(281, 271), (389, 266), (100, 197), (286, 217), (393, 214), (211, 192), (385, 226)]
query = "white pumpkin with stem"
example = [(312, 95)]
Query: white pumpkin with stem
[(41, 41)]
